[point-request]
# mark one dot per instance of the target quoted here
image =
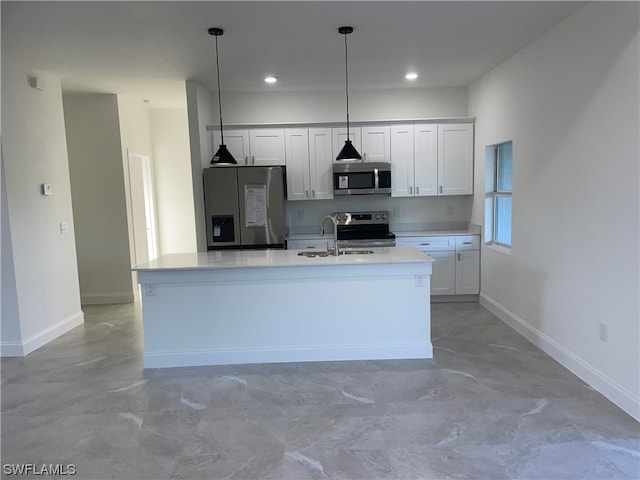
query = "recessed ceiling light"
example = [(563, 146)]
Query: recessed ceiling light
[(411, 76), (271, 79)]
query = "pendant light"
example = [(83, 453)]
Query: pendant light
[(222, 156), (348, 152)]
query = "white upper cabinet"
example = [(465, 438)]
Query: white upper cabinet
[(320, 163), (426, 159), (414, 160), (455, 159), (441, 162), (339, 136), (402, 154), (237, 142), (297, 154), (267, 146), (376, 143), (263, 146), (309, 164)]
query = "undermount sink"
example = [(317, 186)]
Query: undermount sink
[(322, 253), (311, 254)]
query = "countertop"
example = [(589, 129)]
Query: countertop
[(233, 259), (410, 233), (436, 233)]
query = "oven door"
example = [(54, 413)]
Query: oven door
[(370, 243)]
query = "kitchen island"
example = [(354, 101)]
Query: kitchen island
[(260, 306)]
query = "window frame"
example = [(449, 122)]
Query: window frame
[(493, 194)]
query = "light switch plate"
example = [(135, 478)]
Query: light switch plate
[(45, 189)]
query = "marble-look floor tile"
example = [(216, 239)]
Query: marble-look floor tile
[(489, 405), (338, 464)]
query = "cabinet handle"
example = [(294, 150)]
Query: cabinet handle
[(313, 193), (364, 157), (458, 257), (306, 193), (440, 188), (246, 160), (410, 190), (466, 243), (425, 244), (417, 190), (253, 159)]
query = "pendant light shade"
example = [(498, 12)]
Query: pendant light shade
[(348, 152), (222, 156)]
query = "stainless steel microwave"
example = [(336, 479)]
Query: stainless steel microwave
[(362, 178)]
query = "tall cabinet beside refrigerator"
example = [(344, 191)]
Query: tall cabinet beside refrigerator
[(244, 207)]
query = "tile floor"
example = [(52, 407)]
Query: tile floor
[(488, 406)]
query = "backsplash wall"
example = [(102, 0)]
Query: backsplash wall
[(416, 213)]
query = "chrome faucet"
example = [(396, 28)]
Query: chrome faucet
[(335, 232)]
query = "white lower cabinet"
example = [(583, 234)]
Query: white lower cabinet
[(456, 270), (443, 276), (468, 272)]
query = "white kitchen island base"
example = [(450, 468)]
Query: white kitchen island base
[(235, 307)]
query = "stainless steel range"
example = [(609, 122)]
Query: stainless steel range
[(364, 229)]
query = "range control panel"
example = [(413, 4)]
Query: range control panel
[(362, 218)]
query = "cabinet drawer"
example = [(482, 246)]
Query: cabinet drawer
[(430, 244), (468, 242)]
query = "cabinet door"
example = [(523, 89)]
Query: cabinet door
[(267, 146), (297, 161), (402, 145), (339, 136), (376, 144), (455, 159), (320, 164), (443, 276), (426, 160), (468, 272), (237, 142)]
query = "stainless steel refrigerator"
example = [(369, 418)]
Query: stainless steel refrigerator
[(244, 207)]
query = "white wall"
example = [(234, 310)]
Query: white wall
[(10, 325), (97, 188), (135, 134), (199, 114), (174, 189), (34, 152), (569, 101), (280, 107)]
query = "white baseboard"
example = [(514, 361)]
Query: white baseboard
[(106, 298), (281, 355), (20, 349), (591, 375)]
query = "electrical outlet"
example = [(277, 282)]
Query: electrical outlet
[(419, 280), (603, 334), (149, 289), (64, 227), (396, 212)]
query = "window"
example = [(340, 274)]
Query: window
[(499, 173)]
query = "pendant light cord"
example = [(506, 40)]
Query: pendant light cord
[(219, 100), (346, 70)]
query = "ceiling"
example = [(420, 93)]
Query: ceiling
[(148, 49)]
